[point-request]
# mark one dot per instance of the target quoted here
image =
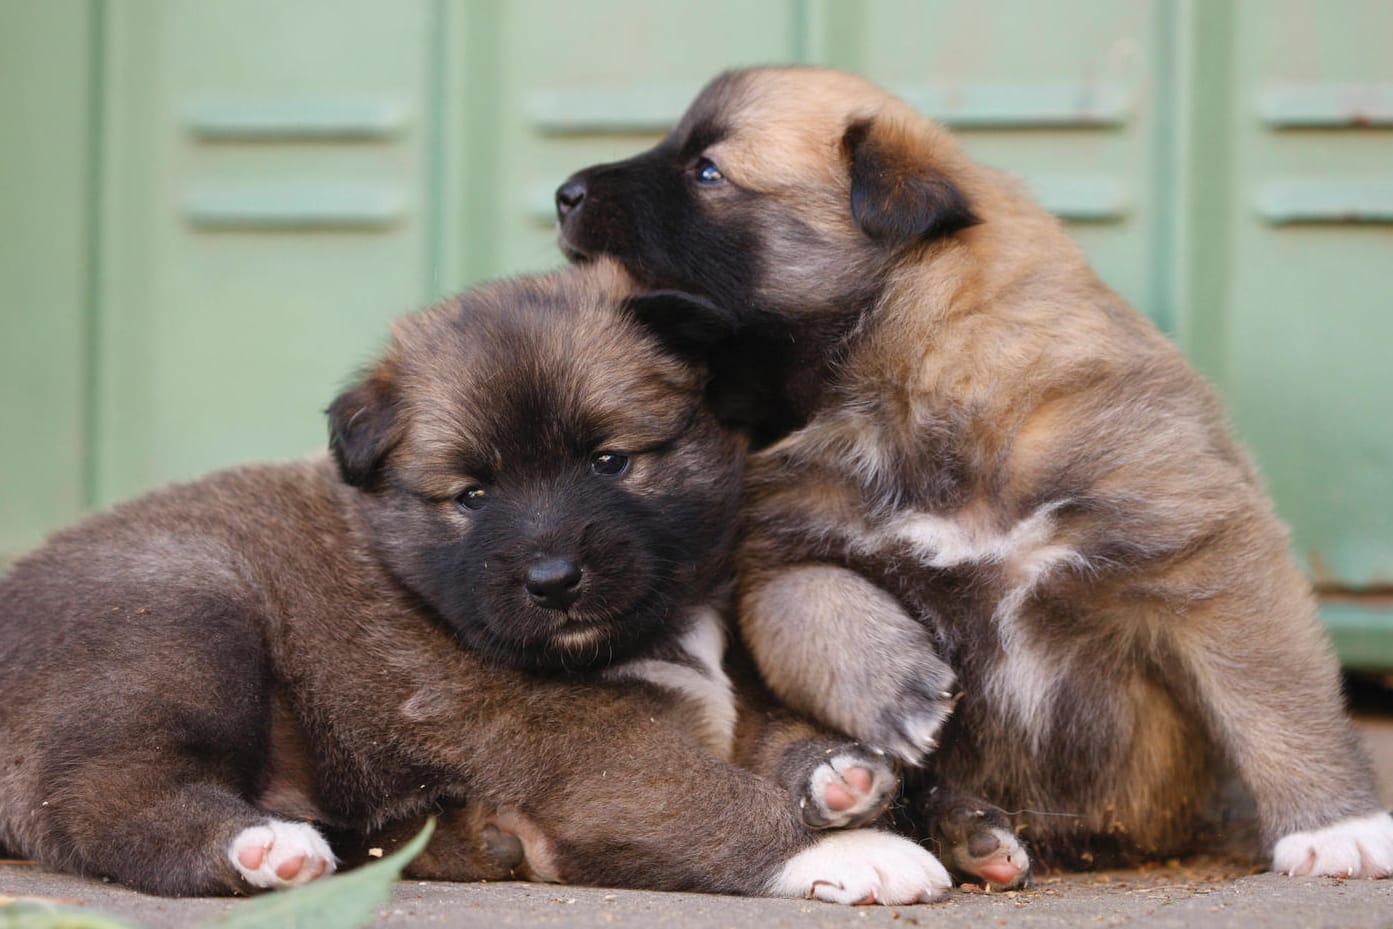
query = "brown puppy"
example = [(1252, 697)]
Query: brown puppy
[(987, 473), (186, 679)]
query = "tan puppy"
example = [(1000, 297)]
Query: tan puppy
[(987, 474), (499, 597)]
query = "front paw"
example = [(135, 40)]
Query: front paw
[(851, 787), (843, 651), (908, 727), (976, 842), (862, 866), (1360, 847), (280, 854)]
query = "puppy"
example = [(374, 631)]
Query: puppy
[(985, 473), (496, 597)]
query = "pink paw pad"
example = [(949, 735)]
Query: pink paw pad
[(998, 858), (281, 854), (847, 790), (855, 784)]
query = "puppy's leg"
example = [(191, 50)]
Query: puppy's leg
[(837, 647), (1269, 685), (635, 801), (139, 770), (276, 853), (837, 783), (135, 818), (975, 840)]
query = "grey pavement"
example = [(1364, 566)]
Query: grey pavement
[(1190, 894), (1167, 896)]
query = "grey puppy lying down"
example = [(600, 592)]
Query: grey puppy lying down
[(496, 597)]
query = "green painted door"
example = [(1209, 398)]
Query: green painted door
[(1294, 319), (265, 203), (209, 209), (47, 64)]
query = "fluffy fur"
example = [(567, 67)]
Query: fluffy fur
[(185, 676), (982, 471)]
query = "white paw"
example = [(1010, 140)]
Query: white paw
[(1360, 847), (862, 866), (848, 789), (281, 854)]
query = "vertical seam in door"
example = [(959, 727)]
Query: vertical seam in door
[(91, 328)]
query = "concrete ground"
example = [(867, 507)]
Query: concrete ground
[(1188, 894), (1185, 895)]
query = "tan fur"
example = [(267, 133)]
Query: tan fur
[(1028, 468)]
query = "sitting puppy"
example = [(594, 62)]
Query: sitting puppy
[(187, 679), (987, 473)]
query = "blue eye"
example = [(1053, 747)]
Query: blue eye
[(472, 498), (707, 172), (609, 464)]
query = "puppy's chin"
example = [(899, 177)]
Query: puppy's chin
[(560, 644), (573, 254), (569, 242), (644, 278), (573, 647), (579, 646)]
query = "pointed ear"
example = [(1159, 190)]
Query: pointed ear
[(688, 325), (896, 197), (363, 427)]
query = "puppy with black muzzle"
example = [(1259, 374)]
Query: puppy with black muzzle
[(984, 472), (496, 597)]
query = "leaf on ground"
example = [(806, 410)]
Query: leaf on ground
[(41, 914), (344, 901)]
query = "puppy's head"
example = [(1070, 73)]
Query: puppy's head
[(541, 470), (783, 190)]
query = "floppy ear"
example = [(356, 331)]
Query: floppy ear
[(896, 197), (688, 325), (363, 427)]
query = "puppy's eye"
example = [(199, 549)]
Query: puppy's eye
[(707, 173), (609, 464), (472, 498)]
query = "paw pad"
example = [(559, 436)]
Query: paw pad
[(851, 788), (281, 854)]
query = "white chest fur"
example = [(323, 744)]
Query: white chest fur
[(1023, 554), (700, 679)]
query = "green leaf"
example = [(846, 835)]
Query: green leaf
[(40, 914), (345, 901)]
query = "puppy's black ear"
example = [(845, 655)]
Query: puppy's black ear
[(688, 325), (363, 427), (898, 197)]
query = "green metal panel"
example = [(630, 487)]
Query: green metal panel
[(210, 208), (1073, 101), (266, 208), (1309, 285), (1309, 290), (1362, 630), (1281, 288), (46, 107), (585, 82)]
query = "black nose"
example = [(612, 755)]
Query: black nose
[(568, 196), (554, 582)]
